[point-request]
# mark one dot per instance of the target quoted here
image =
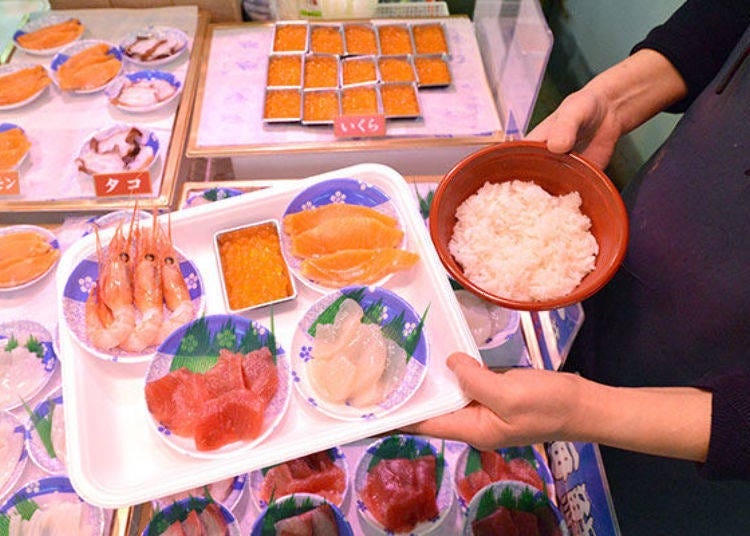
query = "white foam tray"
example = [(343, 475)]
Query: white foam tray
[(115, 456)]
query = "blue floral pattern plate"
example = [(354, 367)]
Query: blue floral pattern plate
[(13, 458), (49, 19), (79, 46), (398, 323), (37, 451), (4, 127), (350, 191), (178, 511), (15, 67), (45, 493), (209, 196), (406, 446), (50, 238), (203, 337), (261, 528), (235, 489), (113, 90), (177, 36), (82, 280)]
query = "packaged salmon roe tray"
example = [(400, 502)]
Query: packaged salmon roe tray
[(135, 434)]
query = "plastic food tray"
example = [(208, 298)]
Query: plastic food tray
[(115, 456)]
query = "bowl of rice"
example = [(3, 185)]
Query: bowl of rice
[(528, 229)]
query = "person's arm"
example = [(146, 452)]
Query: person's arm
[(526, 406), (612, 104)]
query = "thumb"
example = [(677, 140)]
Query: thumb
[(477, 382)]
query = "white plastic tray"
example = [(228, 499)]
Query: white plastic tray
[(115, 456)]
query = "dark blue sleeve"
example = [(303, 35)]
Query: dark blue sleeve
[(729, 447), (697, 39)]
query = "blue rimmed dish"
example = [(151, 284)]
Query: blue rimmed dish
[(403, 447), (194, 513), (300, 503), (81, 282), (49, 19), (14, 68), (227, 492), (209, 196), (88, 159), (112, 219), (79, 46), (143, 91), (4, 127), (46, 494), (13, 455), (32, 361), (48, 237), (401, 340), (201, 340), (48, 454), (139, 45)]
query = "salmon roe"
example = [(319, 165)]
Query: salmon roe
[(394, 39), (432, 71), (429, 39), (285, 70), (359, 100), (396, 70), (326, 40), (253, 266), (321, 71), (360, 39), (399, 100), (282, 104), (358, 70), (321, 106), (290, 38)]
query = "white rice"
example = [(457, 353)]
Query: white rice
[(515, 240)]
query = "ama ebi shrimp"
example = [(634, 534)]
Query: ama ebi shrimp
[(176, 293)]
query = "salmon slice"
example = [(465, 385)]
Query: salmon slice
[(52, 36), (90, 68), (469, 486), (494, 465), (234, 416), (351, 232), (24, 256), (13, 145), (22, 84), (305, 220), (357, 266), (192, 525)]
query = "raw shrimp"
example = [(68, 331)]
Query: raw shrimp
[(110, 316), (176, 294), (147, 289)]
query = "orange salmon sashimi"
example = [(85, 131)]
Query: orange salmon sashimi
[(52, 36), (89, 69), (22, 84), (357, 266), (315, 473), (300, 222), (24, 256), (351, 232), (13, 145)]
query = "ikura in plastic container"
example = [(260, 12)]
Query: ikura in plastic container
[(358, 70), (433, 71), (395, 39), (429, 38), (326, 39), (400, 100), (254, 272), (360, 100), (290, 37), (320, 106), (284, 70), (360, 38), (282, 105), (396, 69), (321, 71)]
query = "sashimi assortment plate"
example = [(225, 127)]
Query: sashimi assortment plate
[(107, 411)]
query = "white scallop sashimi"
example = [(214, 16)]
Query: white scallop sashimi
[(58, 433), (331, 338)]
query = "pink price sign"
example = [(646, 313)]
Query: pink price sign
[(359, 126), (9, 183), (119, 184)]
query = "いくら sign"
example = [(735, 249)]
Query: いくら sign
[(359, 126), (125, 183), (10, 183)]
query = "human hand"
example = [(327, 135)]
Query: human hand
[(584, 122), (513, 408)]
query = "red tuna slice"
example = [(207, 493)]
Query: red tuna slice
[(523, 470), (226, 374), (315, 473), (213, 521), (401, 493), (320, 521), (498, 522), (233, 416), (494, 465), (177, 400), (526, 523), (192, 525), (175, 529), (260, 374), (469, 486)]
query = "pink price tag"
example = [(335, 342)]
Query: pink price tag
[(10, 183), (359, 126), (125, 183)]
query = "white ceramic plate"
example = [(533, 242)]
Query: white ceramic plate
[(113, 90), (152, 141), (15, 67), (34, 445), (13, 463), (79, 46), (342, 525), (159, 32), (39, 23), (8, 126), (50, 238)]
